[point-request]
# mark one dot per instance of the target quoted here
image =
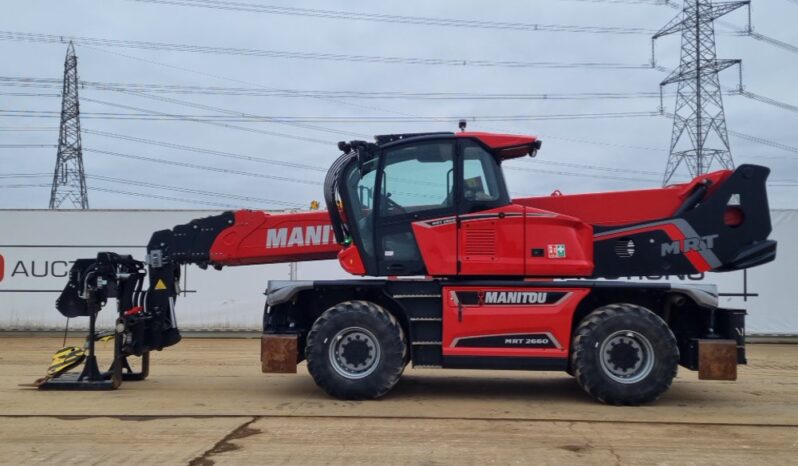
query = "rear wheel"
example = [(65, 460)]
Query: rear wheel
[(624, 354), (356, 350)]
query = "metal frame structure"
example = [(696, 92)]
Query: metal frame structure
[(699, 138), (69, 178)]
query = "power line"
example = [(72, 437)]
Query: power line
[(303, 93), (630, 2), (585, 175), (166, 198), (155, 186), (602, 143), (202, 150), (13, 186), (139, 89), (337, 101), (18, 81), (204, 167), (210, 120), (771, 143), (770, 40), (28, 94), (593, 167), (449, 22), (399, 19), (751, 138), (236, 113), (193, 191), (160, 116), (25, 175), (152, 88), (227, 78), (763, 141), (99, 42), (769, 101), (27, 128), (319, 168), (756, 139), (258, 175)]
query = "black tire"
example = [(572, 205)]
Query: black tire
[(356, 350), (624, 354)]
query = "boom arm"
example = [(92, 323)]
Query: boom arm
[(232, 238), (246, 237)]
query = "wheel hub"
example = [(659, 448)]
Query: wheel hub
[(354, 352), (626, 356)]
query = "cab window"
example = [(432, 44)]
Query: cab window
[(479, 174), (360, 186), (418, 178)]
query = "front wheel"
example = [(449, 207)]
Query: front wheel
[(356, 350), (624, 354)]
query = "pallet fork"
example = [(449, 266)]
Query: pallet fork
[(91, 377)]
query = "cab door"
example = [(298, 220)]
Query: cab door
[(490, 229), (416, 182)]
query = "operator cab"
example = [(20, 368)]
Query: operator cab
[(377, 192)]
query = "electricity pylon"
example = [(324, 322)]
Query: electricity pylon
[(699, 138), (69, 178)]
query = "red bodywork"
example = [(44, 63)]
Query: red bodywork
[(624, 207), (265, 238), (559, 228), (505, 328), (495, 242)]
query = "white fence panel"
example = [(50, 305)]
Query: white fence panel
[(36, 247)]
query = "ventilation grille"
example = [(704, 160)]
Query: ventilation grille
[(625, 247), (480, 241)]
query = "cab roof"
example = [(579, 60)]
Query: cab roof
[(491, 140), (498, 140), (503, 146)]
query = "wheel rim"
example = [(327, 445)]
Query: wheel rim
[(354, 353), (626, 356)]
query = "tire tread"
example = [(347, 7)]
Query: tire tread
[(589, 377), (370, 387)]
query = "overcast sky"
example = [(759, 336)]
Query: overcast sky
[(638, 144)]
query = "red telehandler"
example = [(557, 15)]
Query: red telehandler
[(476, 279)]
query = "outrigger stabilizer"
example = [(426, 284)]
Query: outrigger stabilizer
[(91, 283)]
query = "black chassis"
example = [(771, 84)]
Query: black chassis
[(691, 311)]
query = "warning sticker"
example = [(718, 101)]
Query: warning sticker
[(556, 251), (160, 285)]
